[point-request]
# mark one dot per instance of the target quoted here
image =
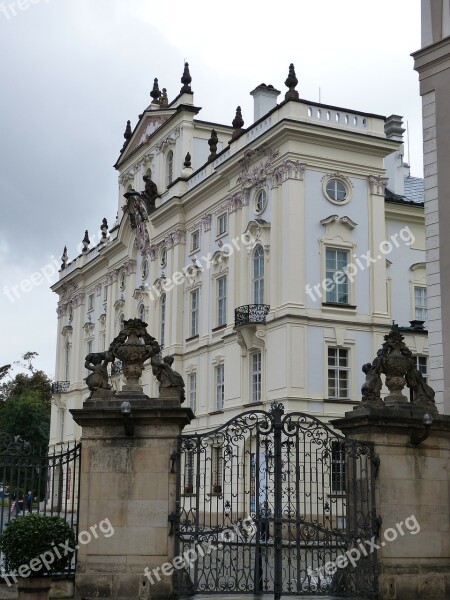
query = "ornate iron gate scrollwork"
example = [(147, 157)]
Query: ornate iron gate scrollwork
[(267, 503)]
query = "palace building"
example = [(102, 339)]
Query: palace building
[(269, 258)]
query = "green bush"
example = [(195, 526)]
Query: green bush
[(27, 538)]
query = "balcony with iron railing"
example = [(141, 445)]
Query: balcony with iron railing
[(60, 387), (251, 314), (116, 368)]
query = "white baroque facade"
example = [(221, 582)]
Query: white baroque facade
[(271, 268)]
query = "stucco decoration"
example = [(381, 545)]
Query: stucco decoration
[(173, 238), (335, 219), (378, 184), (289, 169), (256, 174), (169, 140)]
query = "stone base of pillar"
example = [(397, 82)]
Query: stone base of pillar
[(412, 496), (127, 492)]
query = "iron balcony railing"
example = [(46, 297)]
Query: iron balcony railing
[(60, 387), (251, 314)]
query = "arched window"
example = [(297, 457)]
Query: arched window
[(169, 167), (141, 312), (258, 275), (163, 319)]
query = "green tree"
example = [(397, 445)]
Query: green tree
[(28, 417), (35, 381)]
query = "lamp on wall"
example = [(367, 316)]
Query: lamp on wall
[(125, 409), (416, 436)]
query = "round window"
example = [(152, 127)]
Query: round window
[(260, 201), (336, 190)]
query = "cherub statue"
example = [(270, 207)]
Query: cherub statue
[(98, 363), (423, 394), (371, 388), (167, 377)]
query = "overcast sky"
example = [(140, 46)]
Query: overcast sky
[(73, 72)]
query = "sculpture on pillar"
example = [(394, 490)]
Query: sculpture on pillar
[(133, 346), (396, 362), (149, 194), (97, 362), (167, 377)]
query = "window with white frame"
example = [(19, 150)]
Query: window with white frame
[(222, 224), (255, 376), (338, 467), (336, 260), (89, 346), (260, 201), (195, 298), (216, 470), (192, 390), (162, 319), (221, 300), (422, 366), (169, 167), (105, 293), (258, 275), (338, 373), (163, 257), (61, 423), (420, 303), (121, 321), (67, 361), (144, 269), (195, 240), (122, 280), (91, 302), (220, 386), (103, 341), (141, 312)]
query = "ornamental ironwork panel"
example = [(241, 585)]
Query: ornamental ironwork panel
[(51, 477), (251, 314), (60, 387), (268, 502)]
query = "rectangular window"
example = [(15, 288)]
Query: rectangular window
[(195, 240), (220, 386), (255, 376), (91, 302), (336, 261), (61, 424), (420, 303), (189, 476), (89, 347), (103, 342), (222, 301), (195, 296), (422, 366), (222, 224), (338, 467), (338, 373), (217, 470), (105, 293), (192, 387)]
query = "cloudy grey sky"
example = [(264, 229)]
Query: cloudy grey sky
[(73, 72)]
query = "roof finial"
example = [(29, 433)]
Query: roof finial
[(187, 161), (237, 123), (213, 141), (128, 133), (186, 80), (164, 100), (291, 82), (155, 93), (64, 259), (86, 241)]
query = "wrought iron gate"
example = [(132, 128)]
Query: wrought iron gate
[(271, 503), (51, 477)]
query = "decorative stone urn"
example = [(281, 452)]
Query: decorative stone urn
[(396, 363), (133, 346)]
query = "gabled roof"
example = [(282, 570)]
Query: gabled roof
[(414, 189)]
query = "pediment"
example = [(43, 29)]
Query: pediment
[(149, 124)]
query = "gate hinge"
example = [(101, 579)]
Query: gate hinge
[(376, 525), (376, 464), (171, 518)]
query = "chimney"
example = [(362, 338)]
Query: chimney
[(264, 99), (393, 128)]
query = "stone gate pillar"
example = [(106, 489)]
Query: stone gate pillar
[(412, 481), (127, 488)]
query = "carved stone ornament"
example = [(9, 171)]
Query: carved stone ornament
[(98, 364), (378, 184), (133, 346), (257, 174), (170, 381), (395, 361)]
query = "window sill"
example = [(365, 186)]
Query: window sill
[(216, 494), (218, 328), (188, 494), (341, 400), (339, 305), (191, 339), (219, 236), (250, 404), (336, 495), (216, 412)]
